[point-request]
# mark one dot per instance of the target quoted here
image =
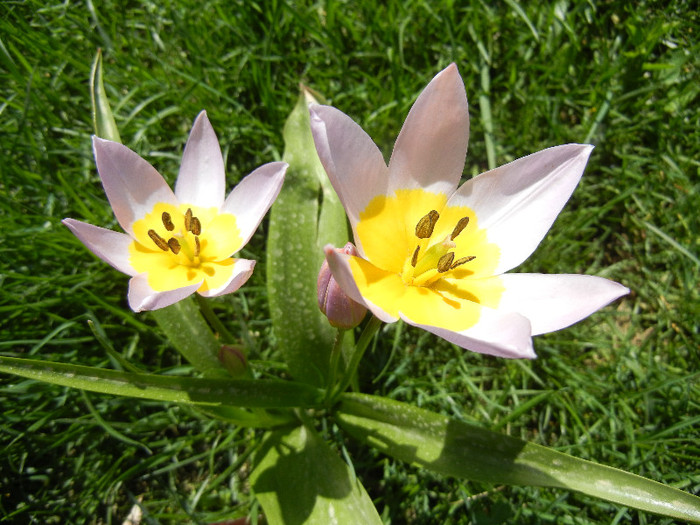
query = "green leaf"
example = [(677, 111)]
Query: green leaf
[(262, 393), (102, 117), (458, 449), (299, 479), (185, 327), (306, 216)]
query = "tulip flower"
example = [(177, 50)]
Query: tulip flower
[(435, 254), (178, 242)]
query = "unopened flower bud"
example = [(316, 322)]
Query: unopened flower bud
[(341, 311), (233, 359)]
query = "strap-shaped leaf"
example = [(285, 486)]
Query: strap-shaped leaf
[(299, 479), (102, 116), (263, 393), (306, 216), (451, 447)]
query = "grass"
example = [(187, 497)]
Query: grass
[(620, 388)]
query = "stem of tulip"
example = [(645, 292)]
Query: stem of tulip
[(204, 307), (367, 334), (335, 359)]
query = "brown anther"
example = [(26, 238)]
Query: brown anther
[(414, 259), (188, 219), (196, 247), (167, 221), (460, 226), (196, 226), (158, 240), (426, 225), (445, 262), (174, 245), (462, 260)]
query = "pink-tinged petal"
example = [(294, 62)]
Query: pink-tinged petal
[(252, 197), (497, 333), (142, 297), (132, 185), (518, 202), (432, 146), (553, 302), (110, 246), (338, 263), (353, 162), (202, 180), (242, 270)]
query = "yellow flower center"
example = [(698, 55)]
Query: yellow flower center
[(425, 259), (180, 246)]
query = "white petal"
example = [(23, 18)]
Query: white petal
[(553, 302), (110, 246), (432, 146), (353, 162), (142, 297), (202, 180), (132, 185), (252, 197), (498, 333), (242, 270), (518, 202), (338, 263)]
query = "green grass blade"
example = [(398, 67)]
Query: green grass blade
[(102, 117), (458, 449), (261, 393), (298, 478)]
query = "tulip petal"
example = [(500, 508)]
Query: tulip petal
[(250, 200), (110, 246), (431, 149), (201, 180), (240, 273), (142, 297), (354, 164), (132, 185), (553, 302), (340, 268), (518, 202)]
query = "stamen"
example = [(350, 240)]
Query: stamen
[(445, 262), (414, 259), (426, 225), (188, 219), (167, 221), (174, 245), (158, 240), (196, 226), (462, 261), (460, 226), (196, 246)]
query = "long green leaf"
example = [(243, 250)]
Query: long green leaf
[(294, 252), (458, 449), (262, 393), (102, 117), (299, 479)]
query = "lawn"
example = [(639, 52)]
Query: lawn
[(619, 388)]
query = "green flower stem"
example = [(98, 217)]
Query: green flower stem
[(213, 319), (367, 334), (335, 359)]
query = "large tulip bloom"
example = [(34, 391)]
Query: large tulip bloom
[(182, 242), (435, 255)]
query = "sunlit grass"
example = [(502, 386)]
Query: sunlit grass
[(619, 388)]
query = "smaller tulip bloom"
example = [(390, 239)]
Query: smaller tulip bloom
[(341, 311), (178, 242)]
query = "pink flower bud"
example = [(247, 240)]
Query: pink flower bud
[(341, 311), (233, 360)]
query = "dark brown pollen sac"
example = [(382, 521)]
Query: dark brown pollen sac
[(462, 260), (167, 221), (196, 226), (459, 227), (158, 240), (414, 259), (445, 262), (196, 246), (174, 245), (426, 225)]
